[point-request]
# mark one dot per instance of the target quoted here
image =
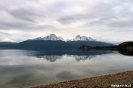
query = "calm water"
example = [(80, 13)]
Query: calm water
[(25, 68)]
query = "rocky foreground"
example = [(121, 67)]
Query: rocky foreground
[(118, 80)]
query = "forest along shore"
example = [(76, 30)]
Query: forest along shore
[(122, 79)]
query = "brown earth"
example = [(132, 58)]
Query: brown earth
[(96, 82)]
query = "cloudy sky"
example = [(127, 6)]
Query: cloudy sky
[(103, 20)]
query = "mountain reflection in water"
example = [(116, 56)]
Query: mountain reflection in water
[(26, 68), (79, 55)]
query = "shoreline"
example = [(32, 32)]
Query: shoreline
[(121, 79)]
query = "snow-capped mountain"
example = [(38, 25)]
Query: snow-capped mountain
[(54, 38), (82, 38), (49, 37), (38, 38)]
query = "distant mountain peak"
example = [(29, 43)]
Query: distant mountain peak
[(78, 36), (52, 37), (38, 38), (82, 38)]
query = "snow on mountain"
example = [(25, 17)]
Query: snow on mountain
[(49, 37), (38, 38), (54, 38), (82, 38)]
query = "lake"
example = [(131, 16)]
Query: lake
[(26, 68)]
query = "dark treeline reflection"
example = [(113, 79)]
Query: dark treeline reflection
[(79, 55)]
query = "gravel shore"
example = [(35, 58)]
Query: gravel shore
[(123, 79)]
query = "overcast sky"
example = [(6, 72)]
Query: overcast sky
[(103, 20)]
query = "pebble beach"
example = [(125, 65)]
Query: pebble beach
[(117, 80)]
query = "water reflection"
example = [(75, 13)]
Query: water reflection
[(66, 75), (23, 68), (83, 58), (79, 55), (126, 53), (51, 58)]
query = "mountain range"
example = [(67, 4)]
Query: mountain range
[(53, 37), (53, 42), (49, 37)]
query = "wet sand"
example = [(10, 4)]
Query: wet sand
[(123, 79)]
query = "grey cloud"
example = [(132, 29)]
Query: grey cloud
[(22, 25), (75, 18), (7, 4), (98, 10), (5, 34), (22, 10), (121, 24), (27, 14), (95, 23), (99, 22), (109, 22)]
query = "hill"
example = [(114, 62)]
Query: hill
[(51, 45)]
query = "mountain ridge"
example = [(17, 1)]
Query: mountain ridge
[(53, 37), (82, 38), (53, 42)]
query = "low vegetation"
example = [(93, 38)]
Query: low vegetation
[(125, 48)]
